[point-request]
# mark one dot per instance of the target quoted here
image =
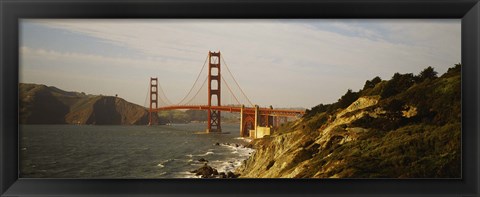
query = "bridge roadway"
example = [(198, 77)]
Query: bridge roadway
[(246, 110)]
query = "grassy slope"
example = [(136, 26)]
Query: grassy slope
[(40, 104), (383, 143)]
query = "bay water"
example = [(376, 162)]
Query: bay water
[(92, 151)]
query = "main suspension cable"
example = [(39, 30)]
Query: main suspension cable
[(146, 97), (226, 66), (228, 87), (166, 101), (196, 80), (197, 91)]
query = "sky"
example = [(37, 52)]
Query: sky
[(283, 63)]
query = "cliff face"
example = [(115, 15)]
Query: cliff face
[(412, 133), (289, 155), (40, 104)]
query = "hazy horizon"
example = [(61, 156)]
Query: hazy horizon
[(284, 63)]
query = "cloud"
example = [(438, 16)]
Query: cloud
[(275, 61), (95, 74)]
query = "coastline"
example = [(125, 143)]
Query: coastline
[(118, 151), (224, 168)]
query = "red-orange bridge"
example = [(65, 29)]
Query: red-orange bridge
[(255, 121)]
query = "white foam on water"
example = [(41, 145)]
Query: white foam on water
[(164, 162), (197, 164), (244, 139), (187, 175), (205, 154), (242, 151), (224, 166), (240, 154), (237, 154)]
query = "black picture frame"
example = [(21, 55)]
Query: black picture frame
[(11, 11)]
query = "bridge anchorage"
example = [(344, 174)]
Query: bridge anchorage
[(255, 121)]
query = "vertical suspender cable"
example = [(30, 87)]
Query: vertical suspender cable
[(250, 102)]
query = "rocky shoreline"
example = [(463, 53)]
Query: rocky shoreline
[(207, 171)]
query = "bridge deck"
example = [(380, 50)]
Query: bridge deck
[(246, 110)]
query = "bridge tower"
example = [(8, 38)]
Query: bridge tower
[(153, 97), (215, 77)]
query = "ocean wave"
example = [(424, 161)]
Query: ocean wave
[(238, 154), (244, 139), (164, 162), (186, 174), (241, 151), (227, 165), (205, 154), (226, 157)]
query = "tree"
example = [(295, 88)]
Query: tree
[(457, 68), (317, 109), (427, 73), (398, 83), (372, 83), (347, 99), (453, 70)]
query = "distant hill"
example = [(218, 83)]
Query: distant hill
[(405, 127), (40, 104), (186, 116)]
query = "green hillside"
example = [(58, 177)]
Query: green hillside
[(40, 104), (405, 127)]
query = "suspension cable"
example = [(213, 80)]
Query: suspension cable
[(146, 96), (166, 101), (223, 59), (197, 91), (196, 80), (228, 87)]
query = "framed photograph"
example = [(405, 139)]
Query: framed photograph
[(162, 98)]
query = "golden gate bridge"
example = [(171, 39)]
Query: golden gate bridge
[(207, 94)]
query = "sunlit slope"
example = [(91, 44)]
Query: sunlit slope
[(405, 127), (40, 104)]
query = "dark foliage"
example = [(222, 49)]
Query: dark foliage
[(317, 109), (453, 71), (347, 99), (398, 83), (423, 144), (372, 83), (427, 73)]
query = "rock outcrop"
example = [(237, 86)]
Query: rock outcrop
[(207, 171), (414, 132), (288, 155)]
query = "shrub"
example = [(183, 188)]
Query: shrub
[(427, 73), (397, 84), (371, 84)]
